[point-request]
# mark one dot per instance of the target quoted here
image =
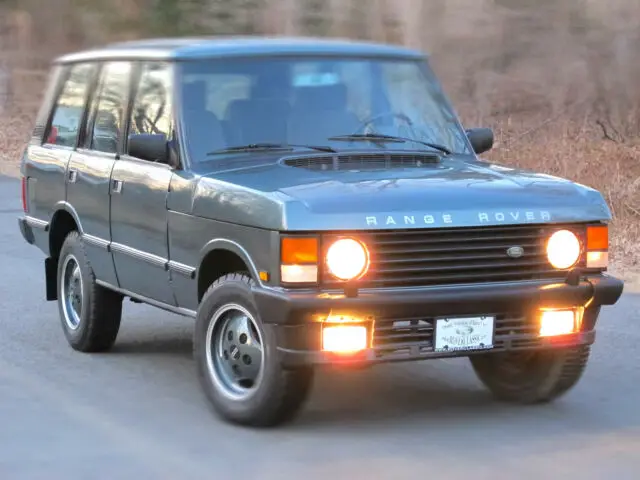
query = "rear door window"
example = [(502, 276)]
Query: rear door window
[(109, 112)]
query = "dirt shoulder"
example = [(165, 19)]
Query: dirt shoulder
[(9, 168), (631, 277)]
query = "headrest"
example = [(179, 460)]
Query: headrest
[(105, 119), (248, 107), (236, 107), (273, 84)]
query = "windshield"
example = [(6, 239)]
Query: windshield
[(308, 101)]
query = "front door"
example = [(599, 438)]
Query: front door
[(139, 190)]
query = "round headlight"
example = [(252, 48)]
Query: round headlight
[(563, 249), (347, 259)]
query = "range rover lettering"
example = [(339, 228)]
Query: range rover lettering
[(308, 203)]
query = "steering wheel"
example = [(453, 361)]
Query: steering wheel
[(375, 118)]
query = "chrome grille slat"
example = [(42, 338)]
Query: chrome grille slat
[(449, 258), (408, 251), (422, 268)]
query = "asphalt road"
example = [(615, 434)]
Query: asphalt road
[(137, 412)]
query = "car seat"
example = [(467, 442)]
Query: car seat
[(262, 117), (203, 128)]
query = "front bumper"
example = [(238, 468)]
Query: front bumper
[(298, 316)]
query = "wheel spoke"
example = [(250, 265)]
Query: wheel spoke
[(251, 364), (78, 304)]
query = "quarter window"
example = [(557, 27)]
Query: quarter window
[(109, 116), (69, 108)]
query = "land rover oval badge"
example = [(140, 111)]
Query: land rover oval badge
[(515, 252)]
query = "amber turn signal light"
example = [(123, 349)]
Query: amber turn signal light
[(299, 251), (598, 238), (598, 246), (299, 260)]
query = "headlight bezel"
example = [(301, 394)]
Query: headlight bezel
[(301, 253), (581, 248), (596, 252), (326, 269), (593, 239), (322, 269)]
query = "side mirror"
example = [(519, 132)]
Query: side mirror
[(149, 146), (481, 139)]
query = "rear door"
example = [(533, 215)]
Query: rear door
[(55, 138), (139, 217), (89, 172)]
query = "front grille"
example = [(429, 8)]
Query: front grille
[(407, 258), (414, 336)]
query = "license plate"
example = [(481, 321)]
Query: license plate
[(464, 333)]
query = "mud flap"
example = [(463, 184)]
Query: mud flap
[(50, 276)]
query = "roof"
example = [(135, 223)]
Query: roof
[(185, 48)]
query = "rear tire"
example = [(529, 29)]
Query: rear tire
[(90, 314), (531, 377), (237, 360)]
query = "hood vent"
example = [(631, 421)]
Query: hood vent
[(362, 161)]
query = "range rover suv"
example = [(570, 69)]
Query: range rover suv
[(309, 203)]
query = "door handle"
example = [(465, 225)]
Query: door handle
[(73, 175), (117, 186)]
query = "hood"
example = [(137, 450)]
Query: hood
[(454, 192)]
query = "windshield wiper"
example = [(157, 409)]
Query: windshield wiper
[(380, 137), (253, 147)]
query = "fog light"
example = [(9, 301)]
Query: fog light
[(554, 323), (344, 338)]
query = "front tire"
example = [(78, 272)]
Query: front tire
[(90, 314), (237, 360), (531, 377)]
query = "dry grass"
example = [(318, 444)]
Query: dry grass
[(15, 128), (609, 167)]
